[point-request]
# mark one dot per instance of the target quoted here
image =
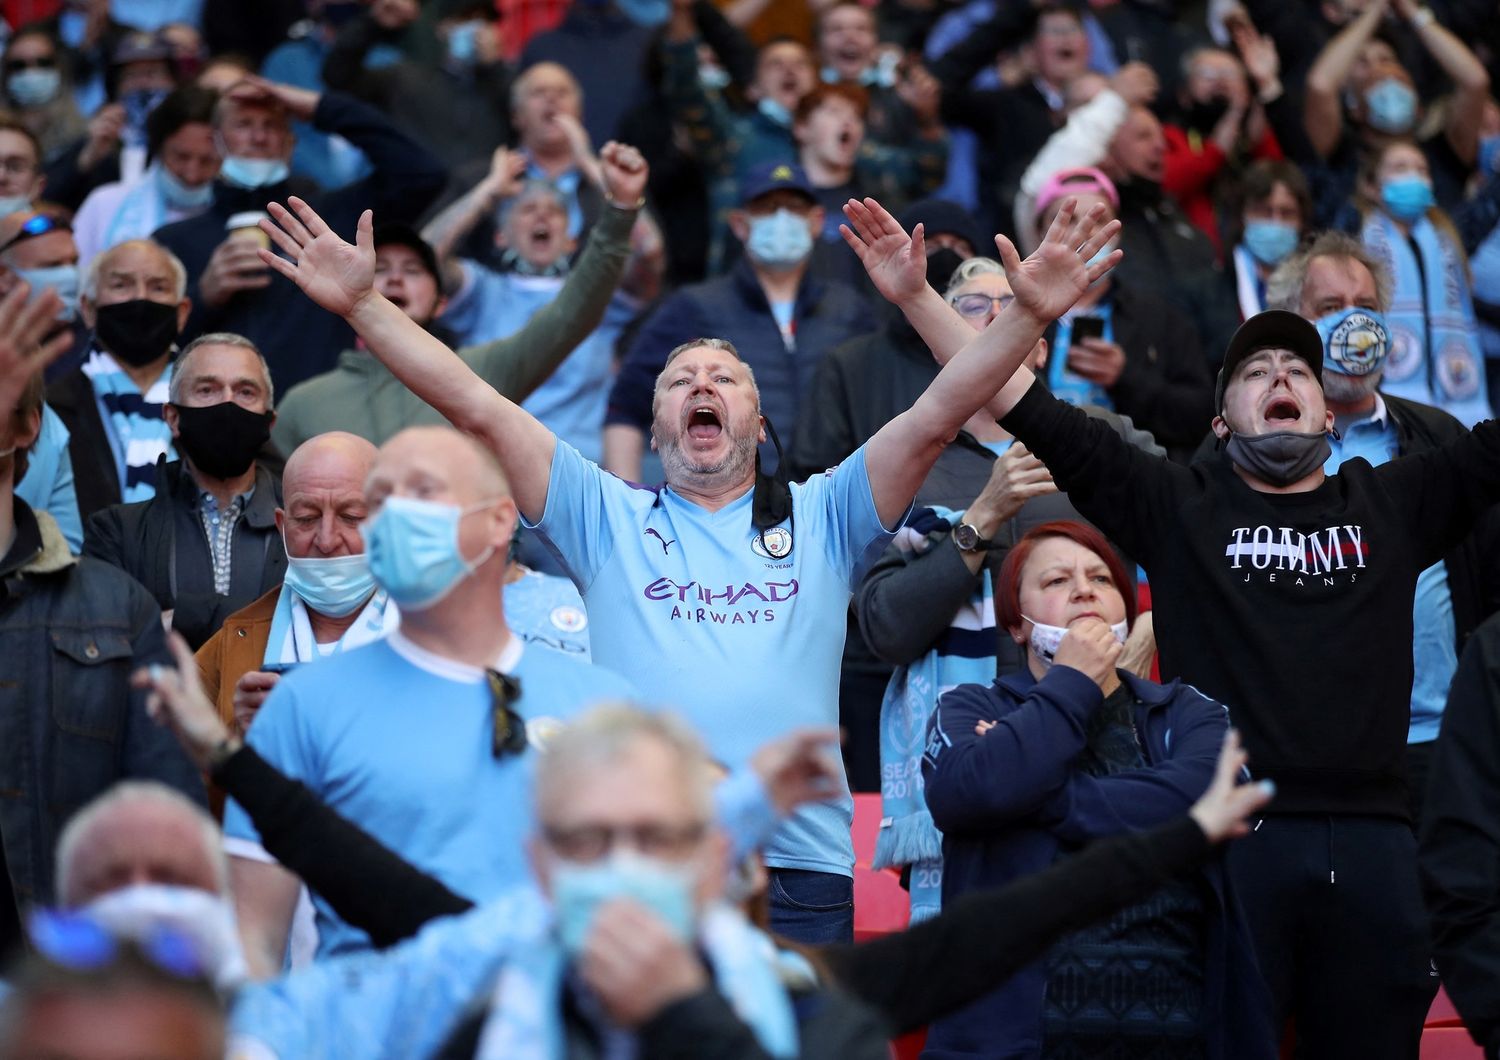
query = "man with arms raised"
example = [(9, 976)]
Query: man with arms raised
[(1285, 593), (723, 579)]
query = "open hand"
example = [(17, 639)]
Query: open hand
[(1057, 273), (1225, 808), (624, 172), (896, 262), (177, 700), (335, 274), (24, 348)]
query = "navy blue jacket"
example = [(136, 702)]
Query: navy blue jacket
[(1010, 803), (734, 307)]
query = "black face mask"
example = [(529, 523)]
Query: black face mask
[(941, 264), (1204, 117), (221, 440), (136, 332)]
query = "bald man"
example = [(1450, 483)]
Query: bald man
[(423, 736), (328, 600)]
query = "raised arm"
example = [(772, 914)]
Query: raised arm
[(1471, 85), (1322, 103), (986, 370), (340, 277)]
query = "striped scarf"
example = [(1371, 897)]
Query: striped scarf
[(964, 654), (137, 433)]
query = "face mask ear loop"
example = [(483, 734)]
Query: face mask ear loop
[(771, 504)]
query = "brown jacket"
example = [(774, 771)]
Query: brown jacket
[(237, 648)]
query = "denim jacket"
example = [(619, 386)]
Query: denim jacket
[(71, 632)]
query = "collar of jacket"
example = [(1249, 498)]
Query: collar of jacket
[(1149, 693), (809, 291), (232, 199), (52, 555), (173, 480)]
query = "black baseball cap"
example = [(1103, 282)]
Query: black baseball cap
[(394, 232), (1275, 329)]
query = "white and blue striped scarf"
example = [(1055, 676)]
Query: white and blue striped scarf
[(964, 654), (137, 433)]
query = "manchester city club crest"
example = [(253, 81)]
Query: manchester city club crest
[(568, 618), (1358, 345), (775, 543)]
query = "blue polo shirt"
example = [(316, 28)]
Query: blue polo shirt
[(739, 635), (1434, 647)]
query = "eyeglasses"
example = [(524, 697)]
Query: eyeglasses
[(977, 305), (82, 944), (39, 225), (509, 737), (590, 842), (17, 166)]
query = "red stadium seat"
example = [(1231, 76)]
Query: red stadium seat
[(909, 1046), (1449, 1043), (1442, 1013), (866, 827), (881, 906)]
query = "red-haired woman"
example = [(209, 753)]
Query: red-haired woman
[(1068, 750)]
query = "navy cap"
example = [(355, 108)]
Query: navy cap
[(775, 176), (1273, 329), (138, 46), (389, 233)]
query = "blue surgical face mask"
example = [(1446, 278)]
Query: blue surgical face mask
[(781, 240), (1407, 197), (12, 203), (578, 890), (1391, 106), (253, 172), (1355, 341), (1489, 154), (331, 585), (775, 111), (463, 42), (414, 551), (647, 13), (180, 196), (1269, 242), (60, 278), (33, 87)]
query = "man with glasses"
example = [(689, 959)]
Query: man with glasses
[(422, 738), (631, 948), (1123, 347)]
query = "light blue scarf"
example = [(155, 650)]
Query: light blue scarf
[(525, 1022), (1448, 373), (291, 638), (965, 654), (137, 433)]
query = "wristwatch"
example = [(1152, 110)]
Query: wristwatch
[(968, 539)]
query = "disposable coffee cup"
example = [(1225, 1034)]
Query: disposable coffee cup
[(246, 225)]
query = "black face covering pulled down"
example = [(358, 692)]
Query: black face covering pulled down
[(221, 440), (1280, 457), (136, 332)]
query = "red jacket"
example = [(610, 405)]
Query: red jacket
[(1192, 166)]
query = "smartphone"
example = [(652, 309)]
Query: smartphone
[(279, 668), (1087, 327)]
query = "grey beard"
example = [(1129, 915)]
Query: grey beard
[(677, 468), (1347, 389)]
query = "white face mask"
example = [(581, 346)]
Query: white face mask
[(1045, 639), (205, 918)]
